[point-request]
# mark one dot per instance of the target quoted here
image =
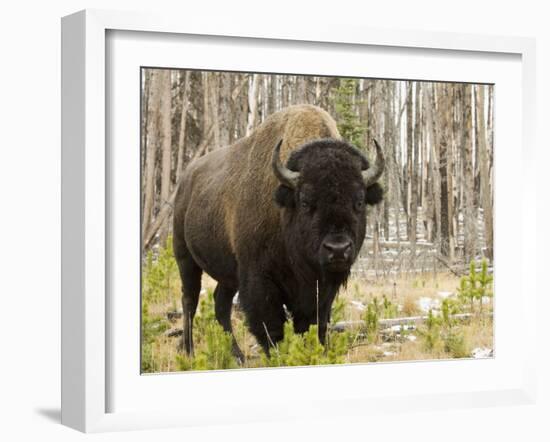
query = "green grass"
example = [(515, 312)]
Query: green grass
[(306, 349)]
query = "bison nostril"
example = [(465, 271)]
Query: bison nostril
[(337, 250)]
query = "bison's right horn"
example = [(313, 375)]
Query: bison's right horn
[(373, 173), (286, 176)]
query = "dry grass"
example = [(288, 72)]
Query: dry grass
[(405, 292)]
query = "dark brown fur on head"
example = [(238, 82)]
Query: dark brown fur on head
[(328, 203)]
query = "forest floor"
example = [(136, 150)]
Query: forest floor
[(441, 324)]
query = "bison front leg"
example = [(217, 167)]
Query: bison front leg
[(325, 310), (223, 299), (262, 304), (302, 322), (316, 311)]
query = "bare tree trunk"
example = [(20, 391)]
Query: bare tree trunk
[(151, 150), (207, 117), (388, 147), (444, 116), (399, 175), (486, 194), (392, 168), (213, 93), (490, 136), (273, 92), (459, 162), (146, 79), (301, 89), (426, 197), (386, 102), (453, 126), (240, 105), (284, 90), (166, 146), (318, 90), (373, 131), (252, 104), (410, 165), (224, 115), (434, 164), (469, 215), (414, 168), (183, 123)]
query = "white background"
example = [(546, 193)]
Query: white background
[(131, 392), (29, 221)]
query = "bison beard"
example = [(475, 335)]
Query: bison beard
[(283, 236)]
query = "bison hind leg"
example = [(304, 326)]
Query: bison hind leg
[(190, 274), (223, 298)]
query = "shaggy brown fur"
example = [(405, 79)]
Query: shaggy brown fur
[(227, 223)]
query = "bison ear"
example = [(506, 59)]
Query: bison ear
[(374, 194), (284, 197)]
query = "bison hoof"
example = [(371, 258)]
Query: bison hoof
[(181, 348), (238, 354)]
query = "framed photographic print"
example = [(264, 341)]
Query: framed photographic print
[(250, 212)]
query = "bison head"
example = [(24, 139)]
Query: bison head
[(324, 189)]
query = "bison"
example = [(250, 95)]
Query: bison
[(284, 236)]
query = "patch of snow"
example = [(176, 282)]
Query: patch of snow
[(426, 304), (411, 338), (203, 292), (358, 305), (482, 352), (444, 294), (389, 353)]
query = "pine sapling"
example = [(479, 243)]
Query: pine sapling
[(348, 122), (371, 321)]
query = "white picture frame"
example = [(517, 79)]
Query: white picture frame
[(85, 209)]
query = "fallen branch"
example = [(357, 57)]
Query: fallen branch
[(390, 244), (341, 326), (173, 332), (388, 323)]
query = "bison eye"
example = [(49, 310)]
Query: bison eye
[(358, 205)]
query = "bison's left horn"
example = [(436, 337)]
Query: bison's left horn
[(286, 176), (371, 175)]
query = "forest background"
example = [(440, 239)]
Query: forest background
[(421, 287)]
